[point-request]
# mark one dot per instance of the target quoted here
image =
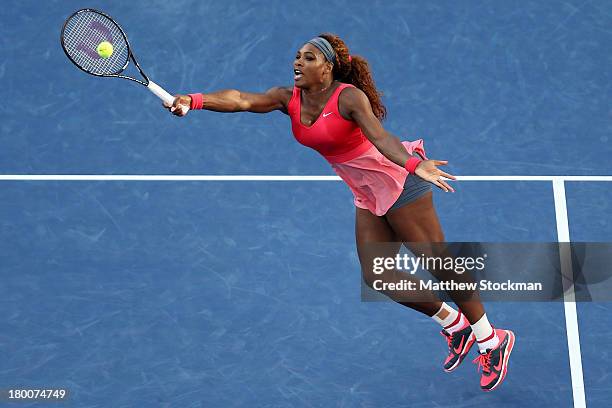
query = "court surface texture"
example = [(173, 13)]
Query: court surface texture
[(237, 283)]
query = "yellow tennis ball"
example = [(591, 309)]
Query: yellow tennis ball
[(105, 49)]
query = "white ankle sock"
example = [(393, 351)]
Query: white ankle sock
[(452, 322), (485, 334)]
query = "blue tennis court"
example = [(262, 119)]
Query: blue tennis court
[(237, 282)]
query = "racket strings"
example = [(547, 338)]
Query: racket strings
[(82, 35)]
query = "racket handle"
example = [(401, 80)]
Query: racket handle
[(160, 92)]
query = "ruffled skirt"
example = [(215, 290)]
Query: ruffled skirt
[(376, 182)]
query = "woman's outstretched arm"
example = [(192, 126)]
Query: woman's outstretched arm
[(232, 100), (354, 104)]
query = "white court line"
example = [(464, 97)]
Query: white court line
[(569, 298), (135, 177), (534, 178)]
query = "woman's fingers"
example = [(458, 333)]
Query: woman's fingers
[(447, 186), (443, 185), (173, 104), (435, 175), (183, 111), (440, 184), (449, 176), (179, 107)]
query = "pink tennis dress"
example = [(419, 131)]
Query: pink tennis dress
[(376, 182)]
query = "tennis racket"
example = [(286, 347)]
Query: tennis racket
[(81, 35)]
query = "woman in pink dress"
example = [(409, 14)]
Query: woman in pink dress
[(336, 109)]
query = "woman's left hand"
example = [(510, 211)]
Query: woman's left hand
[(428, 170)]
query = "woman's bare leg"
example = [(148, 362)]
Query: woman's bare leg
[(418, 221), (370, 230)]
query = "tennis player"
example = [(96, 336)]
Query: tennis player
[(336, 109)]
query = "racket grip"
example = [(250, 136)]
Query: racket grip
[(160, 92)]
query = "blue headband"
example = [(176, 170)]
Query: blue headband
[(325, 47)]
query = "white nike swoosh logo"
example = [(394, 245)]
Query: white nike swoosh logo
[(326, 114)]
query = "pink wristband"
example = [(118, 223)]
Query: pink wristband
[(197, 101), (411, 164)]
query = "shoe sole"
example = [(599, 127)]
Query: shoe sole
[(505, 362), (466, 349)]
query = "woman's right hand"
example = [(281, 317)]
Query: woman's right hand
[(180, 106), (428, 170)]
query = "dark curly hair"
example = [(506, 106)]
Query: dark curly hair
[(355, 71)]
